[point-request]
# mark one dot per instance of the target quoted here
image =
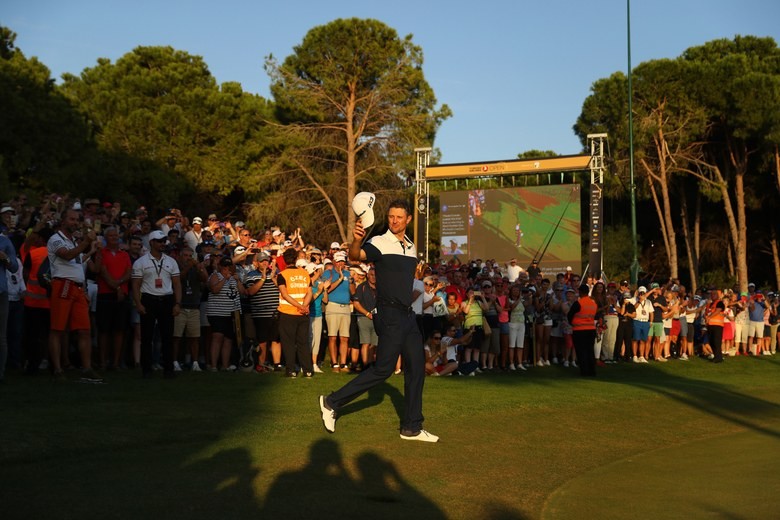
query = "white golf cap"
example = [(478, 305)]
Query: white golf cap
[(363, 206), (301, 262)]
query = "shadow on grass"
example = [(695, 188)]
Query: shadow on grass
[(374, 397), (325, 489), (717, 399)]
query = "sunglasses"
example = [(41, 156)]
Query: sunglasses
[(437, 337), (428, 284)]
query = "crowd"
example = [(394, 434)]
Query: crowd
[(90, 286)]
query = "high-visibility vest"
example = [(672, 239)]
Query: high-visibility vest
[(716, 320), (297, 282), (36, 295), (585, 318)]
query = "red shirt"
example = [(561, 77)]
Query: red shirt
[(116, 264)]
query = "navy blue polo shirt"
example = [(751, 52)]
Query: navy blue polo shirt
[(395, 262)]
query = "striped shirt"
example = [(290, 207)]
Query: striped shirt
[(226, 300), (265, 301)]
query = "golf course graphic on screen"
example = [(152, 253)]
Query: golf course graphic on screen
[(523, 223)]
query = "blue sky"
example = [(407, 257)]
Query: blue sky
[(515, 73)]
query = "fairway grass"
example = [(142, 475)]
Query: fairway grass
[(682, 440)]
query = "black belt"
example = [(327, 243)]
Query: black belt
[(77, 284), (394, 304), (156, 297)]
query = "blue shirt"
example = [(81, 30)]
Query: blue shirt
[(13, 264), (315, 307), (341, 293), (757, 314)]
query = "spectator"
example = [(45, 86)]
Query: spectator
[(582, 316), (224, 301), (157, 294), (37, 316), (69, 305), (194, 236), (113, 267), (264, 299), (364, 301), (193, 275), (516, 310), (337, 312), (294, 299), (319, 297)]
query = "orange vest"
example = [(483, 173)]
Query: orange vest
[(716, 320), (297, 282), (36, 295), (585, 319)]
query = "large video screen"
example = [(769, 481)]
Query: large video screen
[(540, 222)]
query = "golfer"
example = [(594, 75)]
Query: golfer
[(395, 260)]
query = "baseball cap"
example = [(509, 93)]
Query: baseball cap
[(335, 245), (310, 268), (751, 284), (327, 261), (287, 243), (240, 223), (340, 257), (276, 233), (6, 209), (363, 206), (262, 256), (157, 235), (301, 262), (654, 285), (197, 220), (642, 289), (213, 216), (239, 250)]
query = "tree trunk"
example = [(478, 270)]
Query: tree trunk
[(351, 153), (741, 253), (775, 255), (663, 209), (693, 260), (697, 231)]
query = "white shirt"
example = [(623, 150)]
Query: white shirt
[(513, 272), (16, 285), (60, 268), (418, 285), (644, 310), (149, 269)]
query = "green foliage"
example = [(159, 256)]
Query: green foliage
[(168, 130), (43, 141), (356, 103)]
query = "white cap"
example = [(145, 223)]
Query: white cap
[(363, 206), (327, 261), (276, 233), (157, 235), (340, 257), (310, 268), (335, 245), (568, 268), (197, 220), (642, 289), (301, 262), (238, 250)]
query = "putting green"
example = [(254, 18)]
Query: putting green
[(730, 476)]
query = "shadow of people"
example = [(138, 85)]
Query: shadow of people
[(229, 489), (386, 494), (322, 489)]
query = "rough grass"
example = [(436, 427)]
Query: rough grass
[(691, 440)]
